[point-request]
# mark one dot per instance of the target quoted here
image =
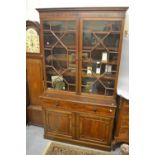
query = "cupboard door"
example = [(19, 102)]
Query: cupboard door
[(60, 54), (99, 53), (59, 123), (94, 128)]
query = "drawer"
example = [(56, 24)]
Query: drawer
[(81, 107)]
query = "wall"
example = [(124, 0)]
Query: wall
[(123, 79)]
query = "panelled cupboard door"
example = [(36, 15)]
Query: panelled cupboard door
[(60, 54), (59, 123), (34, 77), (94, 129)]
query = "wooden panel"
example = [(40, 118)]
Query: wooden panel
[(82, 12), (69, 97), (34, 77), (94, 129), (59, 123)]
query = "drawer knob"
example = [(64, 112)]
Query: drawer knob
[(110, 110)]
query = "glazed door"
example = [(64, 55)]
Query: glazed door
[(60, 54), (95, 129), (99, 49), (59, 123)]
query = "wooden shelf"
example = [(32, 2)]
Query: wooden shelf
[(49, 66), (59, 59), (73, 74), (50, 47), (105, 88), (106, 76), (111, 49), (69, 87), (102, 62), (63, 59), (86, 61), (70, 84), (49, 82), (84, 69), (102, 32), (55, 31), (111, 77)]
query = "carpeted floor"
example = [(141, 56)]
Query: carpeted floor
[(36, 144)]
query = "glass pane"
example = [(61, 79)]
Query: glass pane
[(99, 56), (94, 86), (60, 54)]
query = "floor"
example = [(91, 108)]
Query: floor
[(36, 144)]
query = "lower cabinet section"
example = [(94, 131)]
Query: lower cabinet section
[(78, 127)]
